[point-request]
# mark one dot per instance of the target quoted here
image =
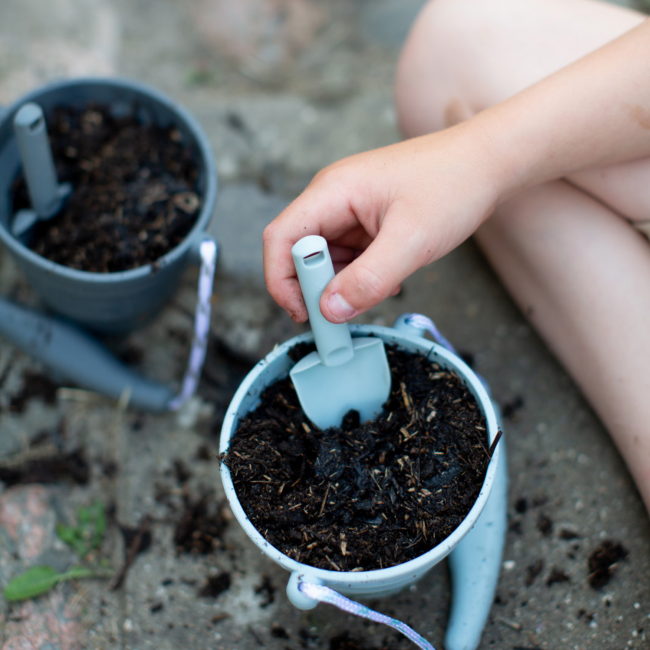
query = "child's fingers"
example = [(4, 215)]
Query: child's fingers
[(318, 211), (341, 254), (375, 275)]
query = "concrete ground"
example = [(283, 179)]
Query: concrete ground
[(282, 89)]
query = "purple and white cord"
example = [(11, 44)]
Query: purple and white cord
[(422, 322), (324, 594), (208, 252)]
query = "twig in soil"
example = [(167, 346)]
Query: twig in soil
[(141, 540), (322, 507), (80, 395), (336, 566), (48, 450), (405, 397), (511, 624), (494, 444), (255, 636)]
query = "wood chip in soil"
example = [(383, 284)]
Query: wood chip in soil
[(135, 193), (363, 497)]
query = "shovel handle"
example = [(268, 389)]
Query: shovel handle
[(78, 357), (315, 270), (36, 157)]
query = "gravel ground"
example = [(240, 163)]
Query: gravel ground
[(282, 89)]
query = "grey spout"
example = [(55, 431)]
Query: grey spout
[(78, 357), (45, 193)]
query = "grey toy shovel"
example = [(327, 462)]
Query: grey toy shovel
[(344, 373), (45, 193)]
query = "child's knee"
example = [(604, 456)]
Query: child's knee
[(438, 58)]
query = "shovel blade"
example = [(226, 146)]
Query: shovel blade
[(327, 393)]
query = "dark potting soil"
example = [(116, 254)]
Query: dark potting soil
[(368, 496), (134, 196)]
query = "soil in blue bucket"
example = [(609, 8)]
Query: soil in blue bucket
[(135, 194), (363, 496)]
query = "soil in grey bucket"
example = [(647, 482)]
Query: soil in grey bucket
[(135, 194)]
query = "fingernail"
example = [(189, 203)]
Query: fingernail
[(340, 308)]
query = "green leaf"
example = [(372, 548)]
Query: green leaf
[(72, 536), (40, 579), (77, 572), (89, 532), (33, 582), (100, 524)]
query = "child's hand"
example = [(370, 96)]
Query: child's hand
[(385, 213), (406, 205)]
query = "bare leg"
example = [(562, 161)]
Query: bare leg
[(582, 276), (465, 55), (576, 268)]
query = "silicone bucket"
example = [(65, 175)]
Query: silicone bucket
[(107, 302), (362, 584)]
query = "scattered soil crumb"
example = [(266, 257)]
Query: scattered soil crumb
[(278, 631), (467, 357), (515, 527), (137, 538), (603, 560), (509, 409), (36, 385), (539, 500), (533, 571), (204, 453), (217, 618), (557, 575), (266, 590), (588, 616), (344, 641), (63, 466), (545, 525), (521, 505), (201, 526), (223, 372), (215, 585), (181, 470), (566, 533)]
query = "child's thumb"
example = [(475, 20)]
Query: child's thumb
[(369, 279)]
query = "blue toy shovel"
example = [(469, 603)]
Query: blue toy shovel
[(344, 373), (45, 193)]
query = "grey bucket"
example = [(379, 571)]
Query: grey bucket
[(107, 302)]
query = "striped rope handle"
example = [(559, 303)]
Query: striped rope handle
[(208, 252), (425, 323), (324, 594)]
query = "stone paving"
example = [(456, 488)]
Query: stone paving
[(282, 88)]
